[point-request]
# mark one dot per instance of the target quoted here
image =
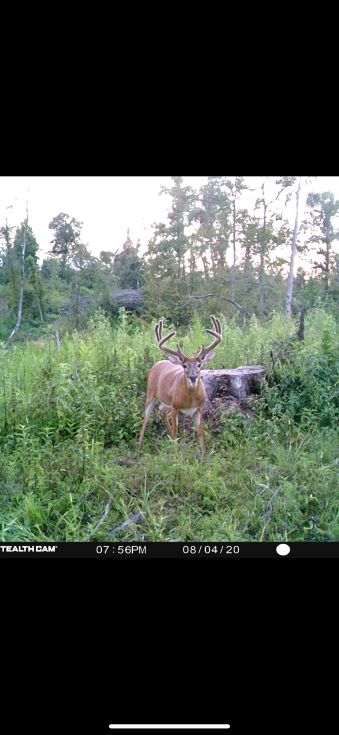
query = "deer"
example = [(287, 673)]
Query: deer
[(176, 382)]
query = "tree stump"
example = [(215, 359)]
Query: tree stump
[(239, 383), (230, 390)]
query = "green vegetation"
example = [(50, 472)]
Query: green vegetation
[(77, 343), (68, 416)]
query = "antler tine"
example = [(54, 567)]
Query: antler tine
[(217, 333), (164, 339), (158, 333), (216, 323), (181, 354), (161, 341)]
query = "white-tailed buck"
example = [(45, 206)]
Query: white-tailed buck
[(177, 384)]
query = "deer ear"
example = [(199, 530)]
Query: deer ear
[(210, 356), (175, 359)]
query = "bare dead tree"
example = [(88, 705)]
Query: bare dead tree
[(290, 281), (22, 282), (262, 258)]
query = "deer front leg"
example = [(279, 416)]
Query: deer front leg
[(174, 419), (200, 431)]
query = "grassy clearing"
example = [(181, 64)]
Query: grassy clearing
[(67, 416)]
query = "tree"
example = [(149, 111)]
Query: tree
[(323, 208), (83, 265), (166, 257), (267, 240), (291, 184), (127, 266), (250, 239), (32, 246), (33, 281), (247, 282), (212, 211), (235, 187), (22, 281), (107, 258), (181, 200), (290, 280), (66, 237), (7, 256), (33, 290), (50, 269), (168, 246)]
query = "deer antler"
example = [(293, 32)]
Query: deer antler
[(161, 341), (217, 333)]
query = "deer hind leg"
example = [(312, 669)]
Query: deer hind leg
[(200, 431), (164, 415), (148, 410)]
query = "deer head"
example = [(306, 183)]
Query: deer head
[(191, 365)]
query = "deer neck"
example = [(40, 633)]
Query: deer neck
[(191, 393)]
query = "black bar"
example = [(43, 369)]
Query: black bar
[(165, 550)]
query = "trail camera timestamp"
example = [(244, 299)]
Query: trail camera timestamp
[(209, 549), (119, 549), (190, 550)]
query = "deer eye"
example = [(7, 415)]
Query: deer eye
[(199, 365), (185, 365)]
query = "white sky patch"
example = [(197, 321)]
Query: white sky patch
[(109, 205)]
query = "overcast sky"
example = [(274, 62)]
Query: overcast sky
[(107, 205)]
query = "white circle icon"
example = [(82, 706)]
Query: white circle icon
[(283, 549)]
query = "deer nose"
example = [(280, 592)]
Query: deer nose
[(193, 378)]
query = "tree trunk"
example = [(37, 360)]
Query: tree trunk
[(178, 267), (22, 281), (39, 307), (214, 263), (63, 265), (327, 262), (261, 283), (206, 267), (262, 269), (192, 268), (77, 307), (301, 330), (290, 282), (234, 251)]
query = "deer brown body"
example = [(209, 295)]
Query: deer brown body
[(177, 384)]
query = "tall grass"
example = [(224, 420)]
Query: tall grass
[(67, 416)]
